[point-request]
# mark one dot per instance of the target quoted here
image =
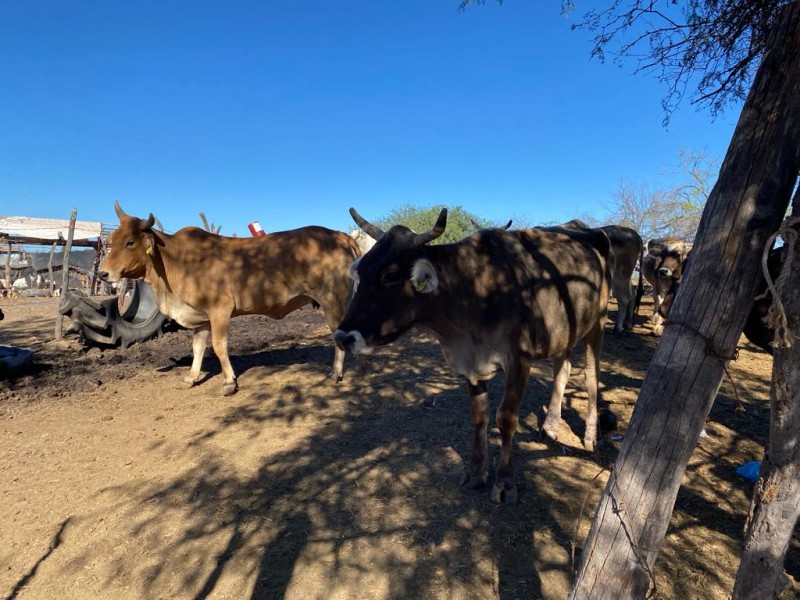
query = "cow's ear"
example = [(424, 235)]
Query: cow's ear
[(149, 244), (424, 277)]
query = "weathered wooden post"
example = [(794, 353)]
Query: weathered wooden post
[(8, 268), (65, 267), (745, 207), (50, 267)]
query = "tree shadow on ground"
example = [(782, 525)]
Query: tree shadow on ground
[(354, 488)]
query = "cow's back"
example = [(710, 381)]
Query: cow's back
[(266, 272), (549, 286)]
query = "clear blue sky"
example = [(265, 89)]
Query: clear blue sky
[(290, 111)]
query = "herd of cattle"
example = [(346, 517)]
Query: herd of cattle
[(495, 301)]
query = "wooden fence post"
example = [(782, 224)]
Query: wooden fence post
[(65, 267)]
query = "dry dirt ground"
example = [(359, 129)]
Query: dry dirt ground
[(115, 484)]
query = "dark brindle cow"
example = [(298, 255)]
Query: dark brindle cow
[(496, 300), (662, 265), (201, 279)]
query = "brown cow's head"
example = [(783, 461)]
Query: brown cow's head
[(131, 248), (670, 256), (392, 282), (676, 276)]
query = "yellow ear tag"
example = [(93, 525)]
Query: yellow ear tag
[(149, 250), (421, 285)]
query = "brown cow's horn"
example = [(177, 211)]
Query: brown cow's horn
[(438, 229), (365, 225), (120, 212), (508, 225), (148, 224)]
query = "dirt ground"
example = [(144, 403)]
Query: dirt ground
[(116, 484)]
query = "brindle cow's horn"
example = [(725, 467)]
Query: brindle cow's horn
[(366, 226), (148, 224), (438, 229), (120, 212)]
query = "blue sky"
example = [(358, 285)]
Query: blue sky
[(289, 112)]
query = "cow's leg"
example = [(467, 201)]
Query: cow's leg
[(220, 324), (629, 309), (199, 344), (333, 316), (594, 346), (562, 365), (504, 489), (656, 319), (478, 475), (623, 300)]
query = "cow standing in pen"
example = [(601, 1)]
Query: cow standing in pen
[(662, 265), (201, 280), (495, 301), (627, 246)]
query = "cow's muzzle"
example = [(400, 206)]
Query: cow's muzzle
[(352, 341), (664, 272), (103, 276)]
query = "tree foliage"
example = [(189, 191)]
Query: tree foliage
[(460, 223), (714, 45)]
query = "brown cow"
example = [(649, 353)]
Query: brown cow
[(201, 279), (755, 329), (662, 265), (496, 300), (626, 248)]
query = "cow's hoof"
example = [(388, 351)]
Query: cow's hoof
[(186, 384), (589, 445), (475, 481), (501, 494), (550, 429), (229, 388), (334, 377)]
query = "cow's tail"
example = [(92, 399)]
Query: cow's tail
[(640, 285)]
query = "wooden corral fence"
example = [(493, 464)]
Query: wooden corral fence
[(26, 271)]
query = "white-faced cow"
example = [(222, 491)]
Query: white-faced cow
[(201, 279), (495, 301), (662, 265)]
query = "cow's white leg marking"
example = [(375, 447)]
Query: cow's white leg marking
[(561, 370), (338, 364), (199, 344), (658, 320)]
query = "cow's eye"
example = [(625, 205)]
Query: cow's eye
[(391, 278), (130, 244)]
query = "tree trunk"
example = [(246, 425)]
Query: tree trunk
[(776, 500), (744, 209)]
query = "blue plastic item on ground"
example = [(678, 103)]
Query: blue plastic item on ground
[(750, 470)]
